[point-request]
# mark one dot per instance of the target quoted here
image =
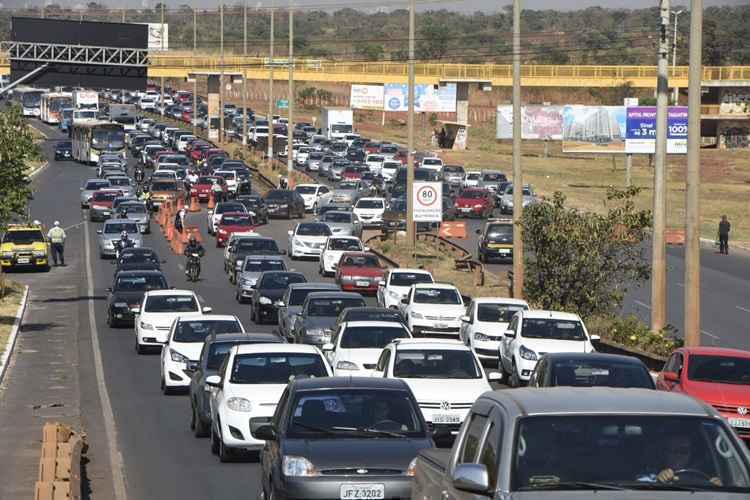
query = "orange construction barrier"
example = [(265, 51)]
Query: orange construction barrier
[(180, 203), (195, 205), (453, 230), (178, 247), (170, 231), (194, 230), (211, 201)]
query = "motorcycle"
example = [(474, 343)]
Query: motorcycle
[(193, 266), (120, 246)]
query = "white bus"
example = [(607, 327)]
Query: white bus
[(30, 99), (91, 139), (52, 105)]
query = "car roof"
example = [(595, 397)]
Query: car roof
[(445, 286), (544, 314), (384, 324), (207, 317), (499, 300), (235, 337), (427, 343), (716, 351), (334, 295), (139, 272), (597, 400), (592, 356), (304, 384), (408, 270), (264, 257), (277, 347), (316, 285), (170, 292)]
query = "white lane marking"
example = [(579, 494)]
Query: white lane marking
[(708, 334), (74, 225), (743, 309), (681, 285), (638, 302), (115, 458)]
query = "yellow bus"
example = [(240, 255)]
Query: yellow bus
[(92, 138)]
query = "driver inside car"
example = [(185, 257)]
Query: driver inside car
[(679, 459)]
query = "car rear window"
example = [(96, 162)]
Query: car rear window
[(276, 368), (198, 330), (171, 303)]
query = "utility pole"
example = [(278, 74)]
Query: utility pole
[(658, 249), (161, 81), (674, 56), (290, 124), (270, 96), (123, 15), (221, 74), (692, 202), (195, 76), (518, 267), (411, 230), (244, 74)]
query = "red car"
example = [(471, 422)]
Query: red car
[(233, 222), (372, 147), (187, 115), (359, 272), (100, 206), (475, 202), (719, 377), (203, 186), (351, 173), (198, 151)]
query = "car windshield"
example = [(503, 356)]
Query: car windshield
[(218, 352), (276, 368), (644, 445), (369, 314), (375, 158), (140, 283), (104, 196), (206, 180), (257, 245), (371, 337), (431, 161), (313, 230), (260, 265), (365, 203), (437, 296), (408, 279), (337, 217), (449, 169), (595, 373), (332, 307), (361, 413), (171, 304), (118, 227), (546, 328), (315, 156), (497, 313), (93, 185), (280, 281), (497, 230), (197, 330), (719, 369), (23, 237), (360, 261), (344, 244), (306, 189), (65, 145), (347, 186), (493, 177), (473, 194), (230, 207), (526, 191), (133, 209), (436, 363), (121, 181), (236, 220)]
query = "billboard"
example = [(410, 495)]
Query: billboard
[(428, 201), (537, 122), (156, 33), (366, 97), (594, 129), (427, 98), (640, 136)]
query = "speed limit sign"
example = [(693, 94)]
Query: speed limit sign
[(428, 202)]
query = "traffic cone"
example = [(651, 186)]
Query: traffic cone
[(178, 247), (195, 206), (211, 201), (180, 203), (170, 231)]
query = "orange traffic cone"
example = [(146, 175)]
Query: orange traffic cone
[(195, 206), (178, 247), (211, 201), (180, 203), (170, 231)]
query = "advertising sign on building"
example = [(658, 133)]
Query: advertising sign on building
[(428, 202), (367, 97), (537, 122), (593, 129), (156, 34), (427, 98), (640, 134)]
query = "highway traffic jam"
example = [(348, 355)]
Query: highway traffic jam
[(373, 382)]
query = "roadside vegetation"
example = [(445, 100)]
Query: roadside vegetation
[(11, 294)]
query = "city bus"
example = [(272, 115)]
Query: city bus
[(52, 105), (31, 100), (92, 138)]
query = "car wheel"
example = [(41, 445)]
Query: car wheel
[(515, 379), (214, 441), (110, 320), (225, 454), (198, 427), (139, 349), (315, 208), (165, 389)]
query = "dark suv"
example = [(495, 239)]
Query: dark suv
[(284, 203), (496, 240)]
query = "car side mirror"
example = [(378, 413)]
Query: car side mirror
[(264, 432), (163, 261), (207, 310), (671, 377), (135, 310), (494, 376), (381, 284), (478, 231), (465, 319), (290, 233), (405, 300), (510, 334), (282, 252), (366, 249), (471, 478), (98, 231), (595, 338), (109, 288), (328, 347), (213, 381)]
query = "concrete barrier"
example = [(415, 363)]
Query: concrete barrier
[(674, 236), (59, 464)]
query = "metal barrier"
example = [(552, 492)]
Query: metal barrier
[(60, 464), (463, 258)]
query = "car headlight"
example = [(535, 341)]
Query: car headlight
[(346, 365), (247, 282), (415, 315), (39, 253), (239, 404), (478, 205), (120, 305), (527, 354), (394, 295), (177, 357), (346, 278), (481, 337), (265, 301), (146, 326), (298, 467), (412, 469)]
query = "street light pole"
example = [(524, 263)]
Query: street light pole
[(692, 202), (270, 96), (411, 233), (290, 99), (161, 80), (221, 74), (518, 264), (244, 74), (676, 98), (195, 76)]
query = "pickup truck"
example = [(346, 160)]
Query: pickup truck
[(586, 443)]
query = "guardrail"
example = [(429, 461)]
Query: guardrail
[(60, 464), (462, 258)]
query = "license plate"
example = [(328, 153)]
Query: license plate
[(504, 251), (441, 325), (446, 419), (365, 491), (466, 210), (23, 260), (362, 283), (741, 423)]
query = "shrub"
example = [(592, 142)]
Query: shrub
[(632, 332)]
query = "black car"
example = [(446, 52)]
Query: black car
[(215, 349), (284, 203), (64, 150), (267, 292), (127, 292), (254, 203), (238, 249), (495, 241), (356, 154), (141, 259), (593, 369), (359, 435)]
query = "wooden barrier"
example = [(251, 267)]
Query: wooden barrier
[(60, 464)]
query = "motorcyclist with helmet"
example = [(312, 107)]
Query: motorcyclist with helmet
[(123, 243), (192, 249)]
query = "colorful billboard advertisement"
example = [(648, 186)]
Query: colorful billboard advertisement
[(640, 136), (537, 122), (427, 98), (593, 129), (366, 97)]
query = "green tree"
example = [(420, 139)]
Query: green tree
[(434, 43), (583, 262), (17, 148), (370, 51)]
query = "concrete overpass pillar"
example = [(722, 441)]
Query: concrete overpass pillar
[(462, 102), (213, 85)]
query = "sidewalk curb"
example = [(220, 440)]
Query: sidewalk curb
[(711, 242), (5, 358), (38, 170)]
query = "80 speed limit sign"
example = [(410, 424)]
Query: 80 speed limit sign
[(428, 202)]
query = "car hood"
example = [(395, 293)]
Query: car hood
[(720, 394), (291, 311), (249, 275), (490, 328), (355, 453), (340, 228), (191, 350), (12, 247), (257, 393), (447, 389), (318, 322), (161, 319), (132, 298), (272, 293), (111, 237), (369, 211), (549, 345), (359, 356), (312, 239), (140, 219)]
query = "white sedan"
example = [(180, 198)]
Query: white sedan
[(334, 248), (308, 239), (485, 323), (370, 211), (249, 389), (181, 353), (397, 283), (311, 194), (358, 345), (158, 309)]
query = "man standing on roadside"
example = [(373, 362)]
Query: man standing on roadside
[(56, 236), (724, 228)]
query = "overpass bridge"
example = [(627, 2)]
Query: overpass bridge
[(499, 75)]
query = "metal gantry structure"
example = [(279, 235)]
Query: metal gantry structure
[(75, 54)]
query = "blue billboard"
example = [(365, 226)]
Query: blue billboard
[(640, 135), (427, 98)]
